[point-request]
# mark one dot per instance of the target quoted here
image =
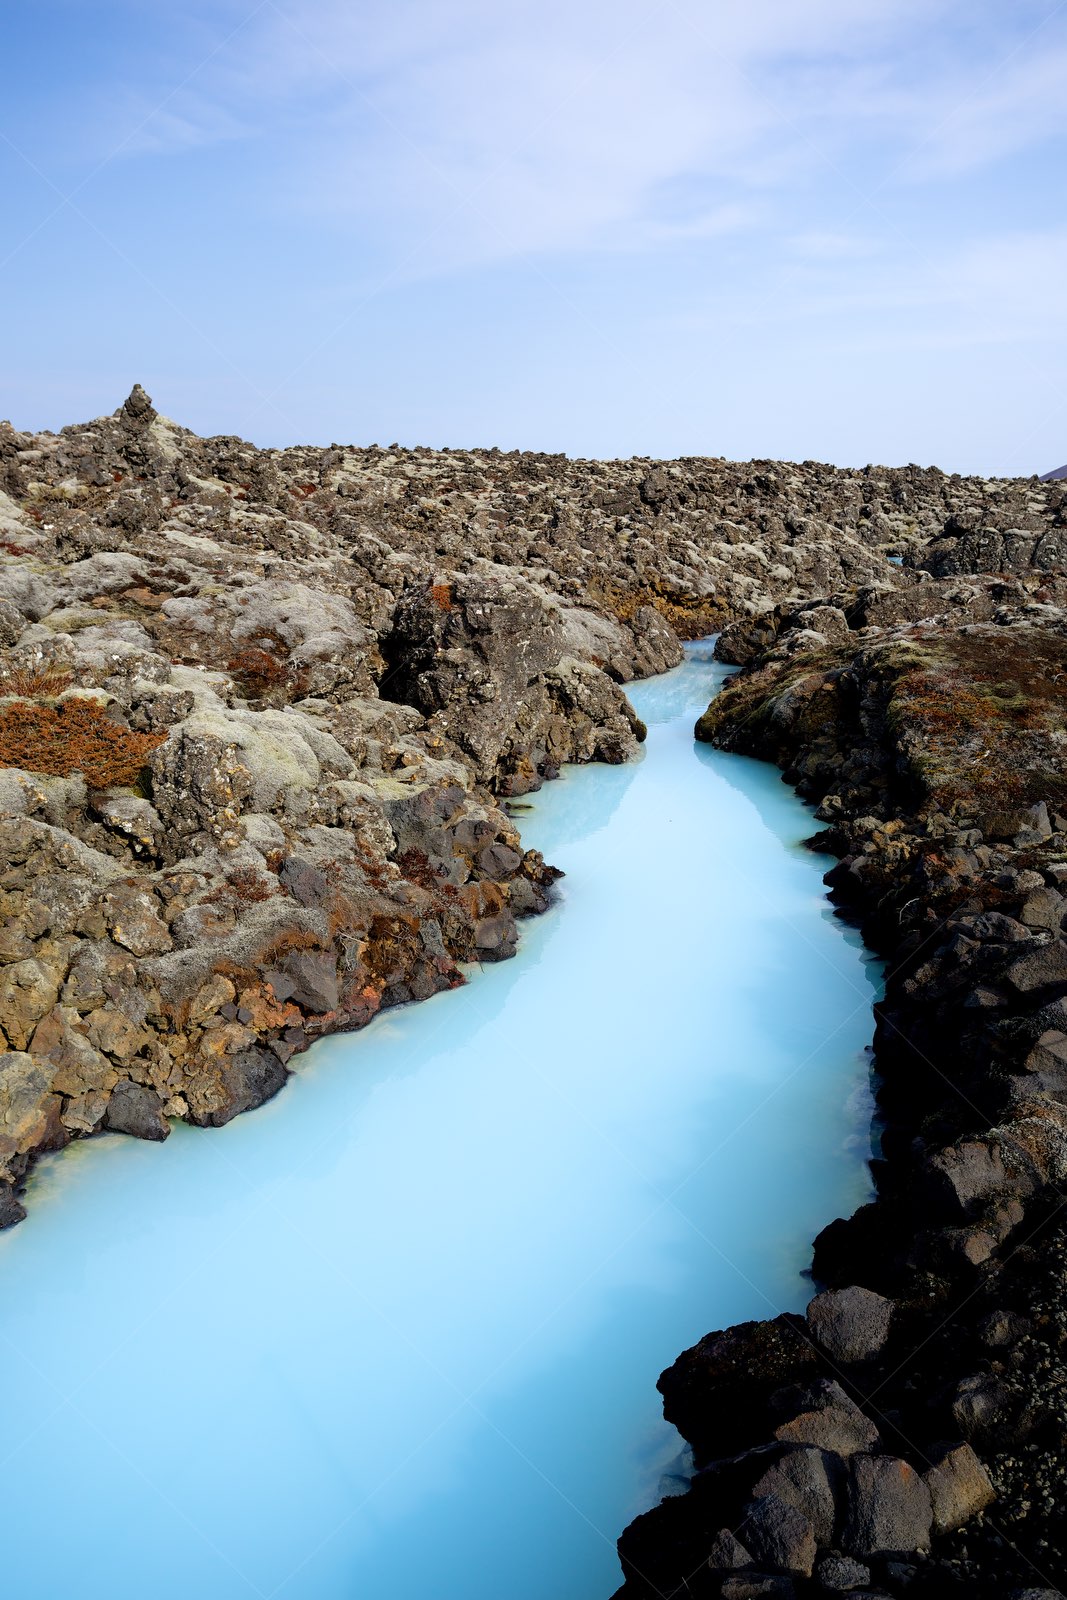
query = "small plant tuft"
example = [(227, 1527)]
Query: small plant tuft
[(34, 683)]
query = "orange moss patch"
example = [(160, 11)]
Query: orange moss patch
[(75, 736)]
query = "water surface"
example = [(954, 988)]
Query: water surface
[(396, 1334)]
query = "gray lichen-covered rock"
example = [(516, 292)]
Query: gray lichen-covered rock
[(482, 655)]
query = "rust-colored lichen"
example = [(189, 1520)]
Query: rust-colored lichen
[(76, 735)]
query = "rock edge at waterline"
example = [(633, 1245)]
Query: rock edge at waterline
[(906, 1437)]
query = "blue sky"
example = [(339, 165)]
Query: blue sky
[(784, 228)]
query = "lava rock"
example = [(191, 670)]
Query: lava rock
[(779, 1536), (841, 1573), (805, 1479), (959, 1488), (888, 1508), (850, 1324), (828, 1420), (727, 1553), (136, 1110)]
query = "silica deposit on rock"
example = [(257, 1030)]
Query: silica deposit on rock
[(260, 712)]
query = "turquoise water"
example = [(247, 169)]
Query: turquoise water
[(396, 1335)]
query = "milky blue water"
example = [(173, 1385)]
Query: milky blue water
[(396, 1334)]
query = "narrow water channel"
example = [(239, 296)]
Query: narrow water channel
[(395, 1336)]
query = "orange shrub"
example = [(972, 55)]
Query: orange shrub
[(257, 671), (77, 735)]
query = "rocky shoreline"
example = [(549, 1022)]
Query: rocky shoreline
[(262, 713), (907, 1437)]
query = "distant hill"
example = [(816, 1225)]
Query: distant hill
[(1050, 477)]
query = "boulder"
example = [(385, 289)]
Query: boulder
[(482, 654), (756, 1586), (27, 1105), (299, 878), (780, 1537), (1022, 826), (850, 1324), (827, 1419), (28, 991), (805, 1479), (1044, 908), (970, 1172), (727, 1553), (136, 1110), (132, 917), (959, 1488), (888, 1508), (838, 1574), (715, 1393), (249, 1079), (313, 976), (991, 1413), (1043, 968), (11, 1208)]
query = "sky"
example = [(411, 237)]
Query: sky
[(800, 229)]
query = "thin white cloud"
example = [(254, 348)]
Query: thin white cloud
[(454, 133), (1020, 105), (488, 131), (829, 246), (994, 290), (194, 122)]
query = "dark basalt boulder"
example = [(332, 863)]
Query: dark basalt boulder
[(714, 1394), (959, 1486), (822, 1416), (850, 1324), (780, 1537), (136, 1110), (889, 1510), (249, 1079), (11, 1208), (806, 1479)]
